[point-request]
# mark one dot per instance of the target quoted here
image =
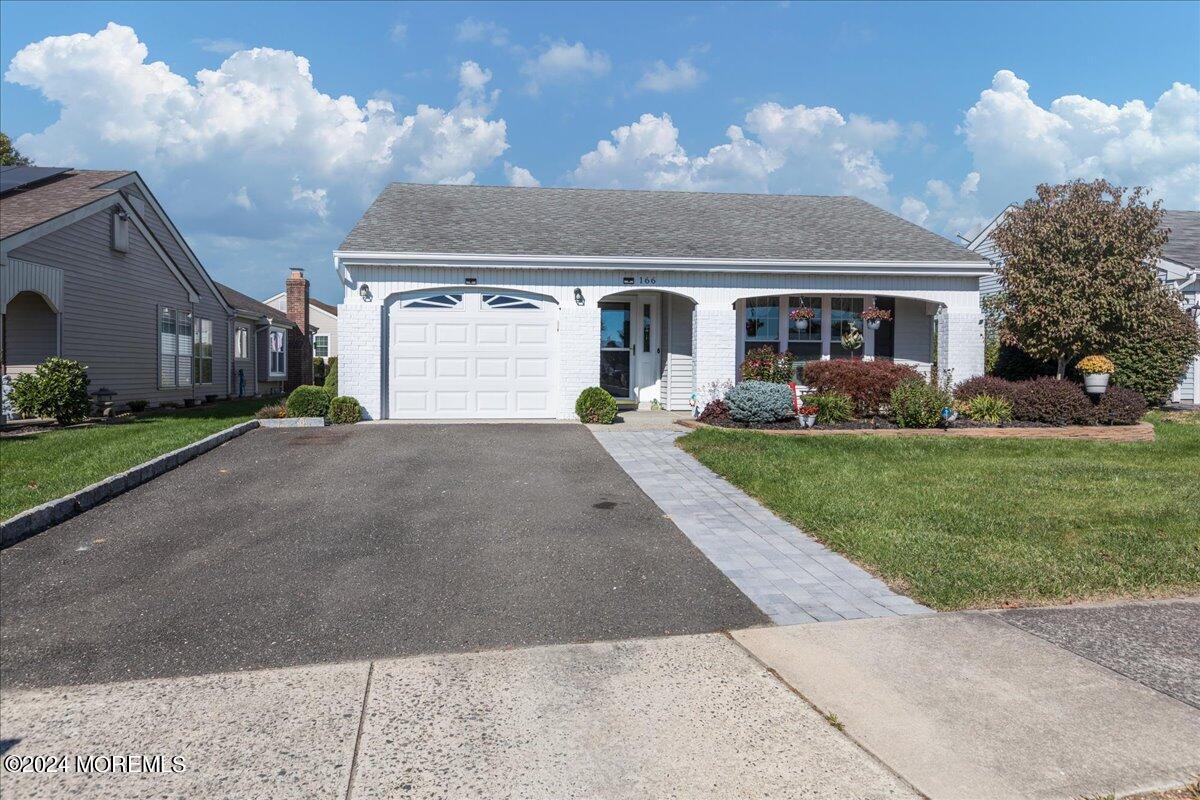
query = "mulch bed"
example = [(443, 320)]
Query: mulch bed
[(1141, 432), (867, 424)]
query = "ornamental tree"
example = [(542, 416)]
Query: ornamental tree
[(1078, 271)]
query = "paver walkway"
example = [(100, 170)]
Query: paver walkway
[(790, 576)]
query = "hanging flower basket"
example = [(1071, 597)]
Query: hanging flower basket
[(875, 316), (801, 316)]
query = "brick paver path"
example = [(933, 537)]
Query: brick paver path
[(792, 577)]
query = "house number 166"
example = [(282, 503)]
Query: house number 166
[(647, 281)]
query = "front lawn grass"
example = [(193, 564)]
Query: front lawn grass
[(969, 523), (42, 466)]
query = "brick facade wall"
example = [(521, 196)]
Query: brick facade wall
[(299, 346), (579, 355), (714, 344), (360, 356)]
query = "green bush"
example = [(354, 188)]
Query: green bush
[(56, 389), (832, 407), (758, 402), (320, 370), (989, 408), (1152, 359), (137, 406), (595, 405), (331, 380), (344, 410), (309, 401), (917, 404), (768, 364)]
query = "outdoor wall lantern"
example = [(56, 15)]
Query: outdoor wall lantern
[(578, 296), (364, 292)]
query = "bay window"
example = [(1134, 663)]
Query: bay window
[(174, 348), (805, 344), (277, 351), (762, 323)]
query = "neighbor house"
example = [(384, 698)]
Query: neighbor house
[(485, 301), (1179, 268), (322, 322), (93, 269), (260, 345)]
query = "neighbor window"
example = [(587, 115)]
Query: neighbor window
[(241, 343), (762, 323), (202, 351), (844, 314), (277, 348), (174, 348), (321, 346)]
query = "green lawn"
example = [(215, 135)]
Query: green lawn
[(967, 523), (43, 466)]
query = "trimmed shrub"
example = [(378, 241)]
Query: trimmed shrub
[(1014, 364), (273, 411), (868, 384), (596, 406), (331, 380), (137, 406), (1153, 359), (758, 402), (56, 389), (344, 410), (832, 407), (320, 369), (768, 364), (1120, 406), (992, 386), (1053, 401), (309, 401), (989, 408), (715, 411), (918, 404)]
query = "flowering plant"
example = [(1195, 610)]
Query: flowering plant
[(852, 339), (803, 312), (767, 364), (808, 411), (872, 313), (1095, 365)]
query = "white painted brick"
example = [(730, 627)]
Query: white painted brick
[(714, 343), (360, 355)]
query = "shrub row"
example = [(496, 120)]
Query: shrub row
[(1052, 401), (317, 401), (868, 384)]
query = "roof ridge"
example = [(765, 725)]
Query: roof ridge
[(615, 189)]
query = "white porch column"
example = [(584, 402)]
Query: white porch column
[(360, 356), (579, 354), (960, 344), (714, 343)]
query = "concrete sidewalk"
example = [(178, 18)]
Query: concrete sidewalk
[(688, 717), (966, 705)]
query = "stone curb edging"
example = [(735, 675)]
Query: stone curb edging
[(39, 518), (292, 422), (1140, 432)]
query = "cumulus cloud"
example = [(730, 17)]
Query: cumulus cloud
[(244, 132), (519, 176), (663, 78), (776, 149), (1015, 144), (564, 63)]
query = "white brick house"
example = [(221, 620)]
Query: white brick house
[(503, 302)]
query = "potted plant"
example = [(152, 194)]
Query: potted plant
[(808, 415), (801, 316), (875, 316), (852, 340), (1095, 371)]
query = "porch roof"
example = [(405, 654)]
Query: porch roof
[(617, 223)]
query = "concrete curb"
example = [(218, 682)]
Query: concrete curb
[(293, 422), (47, 515)]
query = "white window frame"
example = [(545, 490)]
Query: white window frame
[(241, 342), (325, 337), (202, 329), (174, 351), (282, 353)]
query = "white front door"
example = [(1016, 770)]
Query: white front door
[(467, 353), (649, 366)]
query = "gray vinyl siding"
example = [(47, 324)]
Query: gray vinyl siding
[(208, 307), (914, 332), (32, 331), (111, 302), (679, 376), (248, 365)]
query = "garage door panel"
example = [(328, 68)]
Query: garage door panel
[(472, 361)]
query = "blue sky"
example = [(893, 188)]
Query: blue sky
[(942, 112)]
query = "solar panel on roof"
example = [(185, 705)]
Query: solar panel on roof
[(13, 178)]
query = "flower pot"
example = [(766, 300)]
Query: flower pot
[(801, 324), (808, 420), (1097, 383), (873, 324)]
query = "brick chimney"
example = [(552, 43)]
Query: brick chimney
[(299, 349)]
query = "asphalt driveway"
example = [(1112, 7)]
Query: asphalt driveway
[(288, 547)]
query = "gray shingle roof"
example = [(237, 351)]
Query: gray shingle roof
[(27, 208), (1183, 246), (420, 218), (246, 304)]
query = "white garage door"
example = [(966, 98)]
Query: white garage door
[(462, 353)]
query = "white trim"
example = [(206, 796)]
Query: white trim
[(934, 268), (83, 212), (978, 239)]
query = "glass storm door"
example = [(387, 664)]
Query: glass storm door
[(616, 350)]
